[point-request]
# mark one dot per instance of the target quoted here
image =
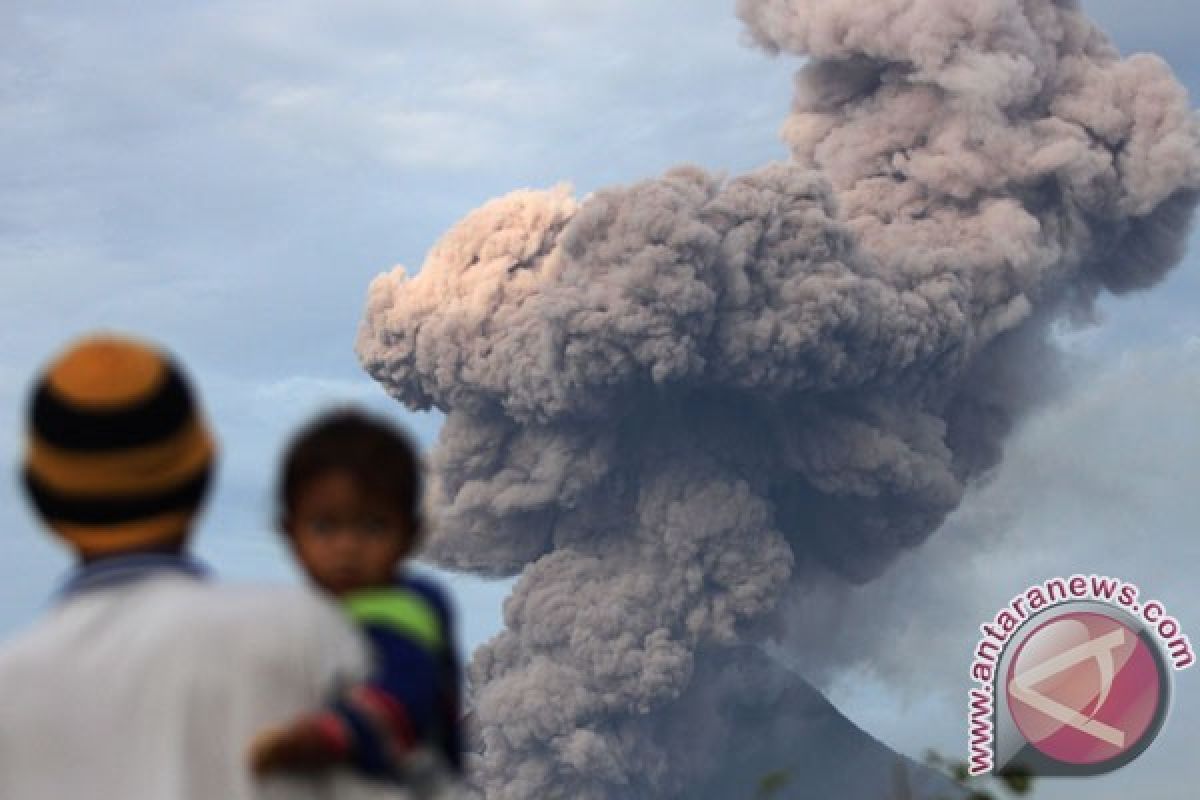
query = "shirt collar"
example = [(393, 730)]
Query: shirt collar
[(124, 569)]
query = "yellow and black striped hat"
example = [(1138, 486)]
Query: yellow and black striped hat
[(118, 455)]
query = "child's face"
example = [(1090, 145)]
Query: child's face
[(346, 540)]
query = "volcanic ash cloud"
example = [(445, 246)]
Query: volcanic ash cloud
[(671, 404)]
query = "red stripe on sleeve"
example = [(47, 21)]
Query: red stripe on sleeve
[(388, 712), (334, 733)]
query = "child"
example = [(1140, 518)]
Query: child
[(349, 495)]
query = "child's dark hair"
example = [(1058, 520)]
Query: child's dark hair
[(379, 456)]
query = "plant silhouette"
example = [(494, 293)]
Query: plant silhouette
[(984, 787)]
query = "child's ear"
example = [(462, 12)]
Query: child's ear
[(416, 532)]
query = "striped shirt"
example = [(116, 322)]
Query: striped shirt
[(412, 697)]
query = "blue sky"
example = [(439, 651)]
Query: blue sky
[(227, 177)]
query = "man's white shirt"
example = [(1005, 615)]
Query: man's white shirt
[(153, 690)]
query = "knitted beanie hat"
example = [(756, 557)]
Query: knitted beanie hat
[(118, 456)]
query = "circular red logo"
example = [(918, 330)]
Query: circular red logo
[(1084, 688)]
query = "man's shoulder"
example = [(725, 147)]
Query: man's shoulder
[(196, 613), (275, 613), (256, 600), (277, 620), (289, 640), (23, 649), (216, 601)]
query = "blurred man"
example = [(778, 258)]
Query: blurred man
[(145, 680)]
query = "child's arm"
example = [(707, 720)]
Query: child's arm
[(373, 726), (308, 743)]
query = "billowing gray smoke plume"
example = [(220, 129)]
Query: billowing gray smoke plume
[(672, 403)]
